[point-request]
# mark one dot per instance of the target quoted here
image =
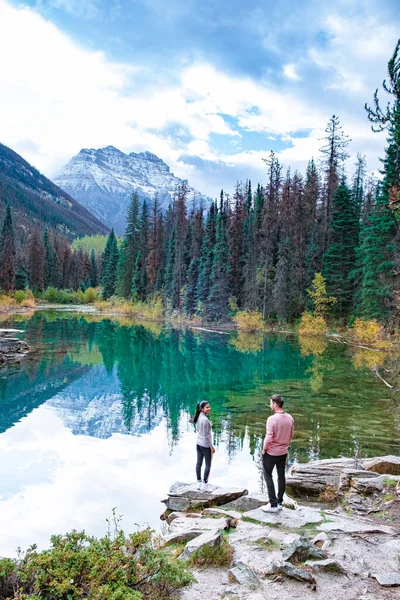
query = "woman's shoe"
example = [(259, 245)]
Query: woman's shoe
[(199, 485)]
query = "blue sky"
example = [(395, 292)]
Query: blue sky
[(209, 86)]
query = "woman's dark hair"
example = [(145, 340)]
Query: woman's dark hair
[(199, 408)]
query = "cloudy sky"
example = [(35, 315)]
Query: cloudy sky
[(210, 86)]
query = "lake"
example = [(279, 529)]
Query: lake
[(98, 416)]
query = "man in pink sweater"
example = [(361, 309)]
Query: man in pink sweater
[(280, 428)]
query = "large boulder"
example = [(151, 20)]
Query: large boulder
[(183, 496), (313, 478), (12, 350), (301, 550)]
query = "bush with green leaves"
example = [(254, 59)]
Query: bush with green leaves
[(77, 566)]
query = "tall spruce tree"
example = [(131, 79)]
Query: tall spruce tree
[(335, 153), (51, 272), (282, 292), (217, 303), (339, 259), (376, 254), (7, 253), (36, 256), (110, 264), (94, 279), (129, 248), (206, 256)]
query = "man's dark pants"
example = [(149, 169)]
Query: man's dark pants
[(269, 462)]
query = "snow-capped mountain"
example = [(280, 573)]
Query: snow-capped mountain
[(102, 181)]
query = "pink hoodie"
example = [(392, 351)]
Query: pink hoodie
[(280, 428)]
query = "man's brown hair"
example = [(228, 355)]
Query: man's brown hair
[(277, 398)]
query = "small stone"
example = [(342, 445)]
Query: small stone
[(243, 575), (388, 579), (320, 537), (172, 516), (191, 515), (209, 538)]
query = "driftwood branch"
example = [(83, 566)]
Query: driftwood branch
[(381, 378)]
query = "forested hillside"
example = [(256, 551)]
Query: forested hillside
[(37, 202)]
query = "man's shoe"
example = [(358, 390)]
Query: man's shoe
[(271, 509)]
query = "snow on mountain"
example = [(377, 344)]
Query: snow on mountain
[(102, 181)]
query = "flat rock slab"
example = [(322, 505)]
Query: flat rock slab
[(219, 512), (371, 485), (344, 524), (297, 573), (183, 496), (329, 564), (247, 502), (388, 579), (243, 575), (211, 538), (287, 518), (180, 537)]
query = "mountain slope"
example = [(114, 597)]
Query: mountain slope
[(104, 179), (35, 200)]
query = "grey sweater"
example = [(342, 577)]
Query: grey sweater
[(204, 435)]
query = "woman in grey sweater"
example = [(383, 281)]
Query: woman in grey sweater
[(204, 442)]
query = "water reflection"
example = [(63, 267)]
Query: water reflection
[(98, 416)]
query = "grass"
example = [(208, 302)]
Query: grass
[(220, 556), (267, 543), (151, 310), (388, 482)]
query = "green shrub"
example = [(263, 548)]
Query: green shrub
[(19, 296), (114, 567), (210, 556)]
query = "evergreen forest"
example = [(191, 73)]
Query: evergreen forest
[(256, 249)]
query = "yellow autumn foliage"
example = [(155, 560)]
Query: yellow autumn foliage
[(369, 332), (312, 325), (249, 320)]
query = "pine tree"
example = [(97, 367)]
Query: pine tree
[(206, 257), (129, 249), (269, 237), (236, 243), (282, 292), (7, 253), (376, 253), (110, 263), (334, 151), (217, 304), (339, 259), (36, 258), (94, 279), (358, 184), (50, 261), (155, 258)]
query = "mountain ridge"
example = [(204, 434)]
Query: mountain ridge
[(36, 200), (103, 180)]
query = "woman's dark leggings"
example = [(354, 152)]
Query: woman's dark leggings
[(203, 453)]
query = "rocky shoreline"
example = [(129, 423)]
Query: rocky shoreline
[(304, 551), (12, 349)]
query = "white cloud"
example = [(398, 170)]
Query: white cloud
[(63, 481), (290, 72), (58, 97)]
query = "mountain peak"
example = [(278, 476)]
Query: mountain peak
[(103, 181)]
